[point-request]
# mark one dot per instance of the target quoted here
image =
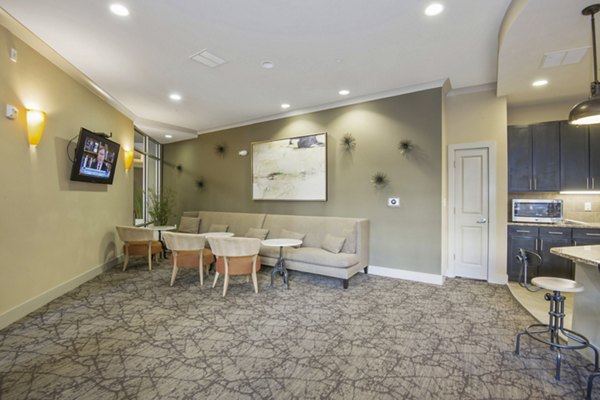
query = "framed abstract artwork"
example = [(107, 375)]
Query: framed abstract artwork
[(290, 169)]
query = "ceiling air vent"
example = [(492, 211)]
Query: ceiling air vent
[(564, 57), (208, 59)]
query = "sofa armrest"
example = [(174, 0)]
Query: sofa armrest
[(362, 241)]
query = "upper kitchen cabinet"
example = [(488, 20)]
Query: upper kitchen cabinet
[(534, 158), (580, 157), (574, 157), (595, 157)]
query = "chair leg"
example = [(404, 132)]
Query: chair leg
[(247, 278), (126, 258), (201, 269), (216, 278), (225, 284), (150, 256), (226, 280), (174, 273), (254, 281)]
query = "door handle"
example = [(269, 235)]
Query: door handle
[(481, 220)]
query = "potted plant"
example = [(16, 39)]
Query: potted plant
[(160, 206)]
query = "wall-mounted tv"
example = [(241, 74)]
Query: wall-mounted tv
[(95, 158)]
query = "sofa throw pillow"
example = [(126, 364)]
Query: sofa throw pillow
[(332, 243), (257, 233), (218, 228), (189, 225), (285, 234)]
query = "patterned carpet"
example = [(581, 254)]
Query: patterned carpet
[(131, 336)]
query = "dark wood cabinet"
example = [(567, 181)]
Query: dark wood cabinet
[(595, 157), (534, 158), (540, 240), (520, 237), (574, 157), (586, 237), (546, 157), (553, 265), (519, 159)]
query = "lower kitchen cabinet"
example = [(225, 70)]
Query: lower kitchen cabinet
[(541, 240), (553, 265), (520, 237)]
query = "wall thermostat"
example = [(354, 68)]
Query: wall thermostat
[(394, 202), (11, 111)]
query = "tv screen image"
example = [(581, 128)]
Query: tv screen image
[(95, 158)]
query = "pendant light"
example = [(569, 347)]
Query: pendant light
[(587, 112)]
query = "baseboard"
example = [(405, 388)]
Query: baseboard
[(499, 280), (406, 275), (18, 312)]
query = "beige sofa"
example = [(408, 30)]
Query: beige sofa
[(310, 257)]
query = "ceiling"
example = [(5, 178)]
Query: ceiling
[(372, 49), (539, 27)]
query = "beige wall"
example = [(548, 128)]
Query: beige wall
[(479, 117), (53, 230), (523, 115), (407, 238)]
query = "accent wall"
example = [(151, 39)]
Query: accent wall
[(405, 238)]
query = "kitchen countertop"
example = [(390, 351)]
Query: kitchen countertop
[(590, 225), (580, 254)]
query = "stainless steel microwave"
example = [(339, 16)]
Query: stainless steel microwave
[(544, 211)]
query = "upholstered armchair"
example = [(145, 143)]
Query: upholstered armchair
[(235, 256), (138, 242), (187, 251)]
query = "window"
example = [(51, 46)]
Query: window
[(146, 178)]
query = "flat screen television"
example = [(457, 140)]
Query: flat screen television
[(95, 158)]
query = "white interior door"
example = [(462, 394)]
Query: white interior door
[(471, 213)]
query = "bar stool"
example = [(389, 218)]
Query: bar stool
[(589, 388), (528, 259), (555, 321)]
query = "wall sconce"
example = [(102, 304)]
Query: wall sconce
[(36, 121), (243, 153), (128, 158)]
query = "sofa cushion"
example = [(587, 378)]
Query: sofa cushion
[(218, 228), (350, 242), (312, 255), (257, 233), (285, 234), (333, 243), (189, 225), (270, 251)]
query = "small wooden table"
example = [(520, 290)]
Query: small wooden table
[(280, 264)]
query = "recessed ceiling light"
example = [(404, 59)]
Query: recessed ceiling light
[(119, 9), (344, 92), (285, 105), (268, 64), (175, 96), (434, 9), (169, 136), (541, 82)]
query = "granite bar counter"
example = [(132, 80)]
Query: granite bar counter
[(586, 306)]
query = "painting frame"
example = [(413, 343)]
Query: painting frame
[(290, 169)]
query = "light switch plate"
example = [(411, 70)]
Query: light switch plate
[(587, 206), (11, 111), (13, 54), (393, 202)]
